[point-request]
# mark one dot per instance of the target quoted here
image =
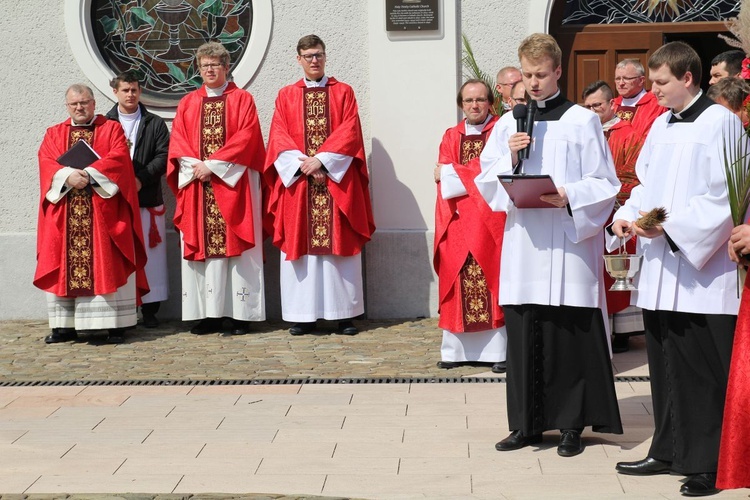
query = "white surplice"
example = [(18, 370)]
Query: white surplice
[(551, 257), (681, 168)]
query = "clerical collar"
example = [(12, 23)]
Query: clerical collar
[(550, 101), (88, 124), (632, 101), (316, 83), (478, 128), (552, 108), (611, 123), (682, 114), (693, 110), (217, 91)]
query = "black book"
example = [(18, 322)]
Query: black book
[(80, 156)]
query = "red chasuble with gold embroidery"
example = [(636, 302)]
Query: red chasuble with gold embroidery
[(215, 219), (642, 115), (307, 219), (88, 245), (735, 431), (468, 241)]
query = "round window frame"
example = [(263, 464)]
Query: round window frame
[(91, 62)]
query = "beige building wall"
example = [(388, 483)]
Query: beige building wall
[(405, 89)]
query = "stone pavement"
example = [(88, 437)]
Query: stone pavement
[(74, 425), (383, 349)]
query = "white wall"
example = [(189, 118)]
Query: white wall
[(406, 100)]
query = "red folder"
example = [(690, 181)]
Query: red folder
[(524, 190)]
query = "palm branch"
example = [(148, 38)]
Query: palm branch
[(472, 70)]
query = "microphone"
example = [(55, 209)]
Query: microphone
[(519, 113), (529, 129)]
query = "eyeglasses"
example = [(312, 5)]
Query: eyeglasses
[(478, 100), (626, 78), (74, 105), (509, 84), (206, 66), (309, 57), (593, 105)]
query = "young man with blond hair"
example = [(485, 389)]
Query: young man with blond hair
[(559, 374)]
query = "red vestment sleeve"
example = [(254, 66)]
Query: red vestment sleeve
[(477, 229), (117, 235), (353, 222), (243, 146)]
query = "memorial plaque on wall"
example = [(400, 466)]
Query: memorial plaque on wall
[(411, 15)]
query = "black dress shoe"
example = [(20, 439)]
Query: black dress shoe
[(347, 328), (447, 365), (150, 321), (116, 336), (302, 328), (700, 485), (499, 367), (516, 441), (620, 343), (570, 443), (646, 467), (61, 335), (240, 327), (207, 325)]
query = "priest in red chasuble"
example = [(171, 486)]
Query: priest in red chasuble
[(90, 251), (634, 103), (625, 144), (319, 209), (735, 432), (468, 239), (216, 154)]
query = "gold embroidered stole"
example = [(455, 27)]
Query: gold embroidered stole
[(213, 135), (476, 298), (319, 200), (471, 147), (79, 238), (626, 113)]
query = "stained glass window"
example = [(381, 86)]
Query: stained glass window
[(647, 11), (158, 38)]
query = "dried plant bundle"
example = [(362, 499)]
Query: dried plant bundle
[(739, 27), (656, 217)]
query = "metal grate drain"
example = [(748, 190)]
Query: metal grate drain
[(281, 381)]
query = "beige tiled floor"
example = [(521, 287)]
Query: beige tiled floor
[(366, 441), (389, 441)]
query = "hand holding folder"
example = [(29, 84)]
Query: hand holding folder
[(79, 156), (525, 190)]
